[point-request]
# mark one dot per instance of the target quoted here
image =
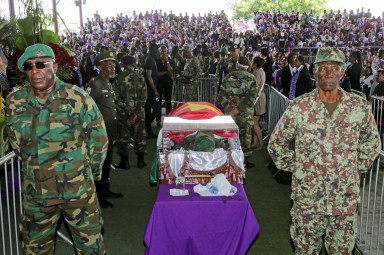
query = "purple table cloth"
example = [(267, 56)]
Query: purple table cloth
[(200, 225)]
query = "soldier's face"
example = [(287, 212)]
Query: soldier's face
[(328, 75), (41, 79), (107, 68)]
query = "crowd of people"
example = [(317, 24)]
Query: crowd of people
[(126, 65)]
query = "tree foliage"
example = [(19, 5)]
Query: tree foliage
[(244, 9)]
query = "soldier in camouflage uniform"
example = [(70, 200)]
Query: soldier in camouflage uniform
[(336, 140), (192, 72), (222, 65), (59, 135), (235, 53), (101, 90), (131, 95), (206, 59), (177, 61), (238, 95)]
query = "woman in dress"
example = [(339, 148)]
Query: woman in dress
[(260, 106)]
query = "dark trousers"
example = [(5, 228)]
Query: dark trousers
[(103, 185), (164, 86), (152, 109)]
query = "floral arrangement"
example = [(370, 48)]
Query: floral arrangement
[(29, 35)]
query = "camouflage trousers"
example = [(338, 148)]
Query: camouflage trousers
[(307, 233), (38, 226), (190, 91), (245, 123), (135, 135)]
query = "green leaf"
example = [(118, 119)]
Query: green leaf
[(48, 36)]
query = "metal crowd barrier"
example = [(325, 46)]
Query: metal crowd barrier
[(276, 105), (370, 239), (11, 206), (206, 90), (359, 93)]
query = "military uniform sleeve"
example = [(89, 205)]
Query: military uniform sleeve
[(95, 136), (282, 135), (249, 97), (141, 94), (9, 129), (94, 91), (369, 145)]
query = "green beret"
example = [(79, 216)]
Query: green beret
[(224, 51), (329, 54), (35, 51), (105, 56)]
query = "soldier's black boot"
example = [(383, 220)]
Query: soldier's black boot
[(140, 160), (104, 203), (124, 162), (248, 164)]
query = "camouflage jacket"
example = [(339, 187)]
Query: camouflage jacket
[(232, 65), (330, 151), (205, 62), (239, 89), (192, 68), (131, 93), (62, 144), (178, 63)]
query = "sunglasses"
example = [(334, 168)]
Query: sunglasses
[(39, 65)]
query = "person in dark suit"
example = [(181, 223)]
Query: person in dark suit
[(353, 71), (301, 82), (287, 73)]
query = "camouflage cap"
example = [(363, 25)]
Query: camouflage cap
[(105, 56), (224, 51), (329, 54), (35, 51)]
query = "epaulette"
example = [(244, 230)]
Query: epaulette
[(78, 89), (18, 89)]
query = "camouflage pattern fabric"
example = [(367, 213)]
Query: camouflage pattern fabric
[(205, 62), (239, 89), (131, 95), (201, 141), (330, 151), (232, 65), (191, 69), (38, 226), (178, 63), (62, 145), (330, 54), (307, 233)]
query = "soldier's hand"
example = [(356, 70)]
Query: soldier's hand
[(234, 111), (133, 118)]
